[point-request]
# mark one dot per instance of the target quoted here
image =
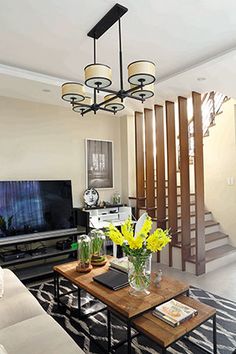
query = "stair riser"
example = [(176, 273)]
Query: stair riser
[(208, 230), (221, 262), (177, 263), (211, 245), (192, 198), (208, 217), (217, 243)]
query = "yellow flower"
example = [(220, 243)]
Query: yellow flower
[(158, 240), (136, 242), (115, 235), (146, 228), (127, 229)]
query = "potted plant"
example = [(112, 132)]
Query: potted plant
[(84, 254), (98, 247)]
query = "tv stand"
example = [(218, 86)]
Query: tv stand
[(34, 264)]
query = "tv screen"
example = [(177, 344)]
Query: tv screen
[(35, 206)]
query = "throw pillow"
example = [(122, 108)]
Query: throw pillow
[(2, 349), (1, 282)]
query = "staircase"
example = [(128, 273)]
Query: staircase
[(218, 250)]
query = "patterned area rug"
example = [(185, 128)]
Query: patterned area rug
[(96, 325)]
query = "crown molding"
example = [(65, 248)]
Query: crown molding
[(30, 75)]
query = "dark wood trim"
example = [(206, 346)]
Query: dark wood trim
[(149, 145), (184, 180), (171, 163), (199, 184), (160, 167), (139, 156)]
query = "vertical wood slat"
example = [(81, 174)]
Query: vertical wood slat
[(172, 185), (149, 145), (184, 180), (199, 184), (160, 167), (139, 148)]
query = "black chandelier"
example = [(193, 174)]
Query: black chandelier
[(141, 75)]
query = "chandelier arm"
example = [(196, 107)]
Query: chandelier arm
[(106, 101), (133, 89), (109, 91), (135, 98), (106, 109)]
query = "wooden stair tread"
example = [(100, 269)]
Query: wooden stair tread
[(194, 214), (207, 223), (214, 236), (215, 253)]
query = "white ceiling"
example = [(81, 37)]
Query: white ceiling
[(187, 39)]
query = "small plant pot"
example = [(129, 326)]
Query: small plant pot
[(84, 268), (98, 261)]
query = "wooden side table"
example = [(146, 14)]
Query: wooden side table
[(165, 335)]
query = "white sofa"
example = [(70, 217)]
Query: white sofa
[(25, 328)]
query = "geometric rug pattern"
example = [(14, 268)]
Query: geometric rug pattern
[(96, 324)]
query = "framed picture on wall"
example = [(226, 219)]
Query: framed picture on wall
[(99, 164)]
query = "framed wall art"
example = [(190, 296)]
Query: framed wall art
[(99, 164)]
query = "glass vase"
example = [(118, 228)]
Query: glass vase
[(139, 274), (84, 254), (98, 247)]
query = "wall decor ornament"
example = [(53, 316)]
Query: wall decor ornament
[(99, 163)]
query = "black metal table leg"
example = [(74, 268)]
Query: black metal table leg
[(214, 335), (129, 338), (79, 301), (108, 331), (55, 285)]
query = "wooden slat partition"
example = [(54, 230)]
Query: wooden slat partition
[(184, 180), (160, 167), (199, 184), (171, 163), (139, 147), (149, 145)]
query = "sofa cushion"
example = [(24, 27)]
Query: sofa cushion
[(38, 335), (1, 283), (17, 304), (2, 350)]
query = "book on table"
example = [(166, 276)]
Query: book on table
[(174, 312), (112, 279), (121, 264)]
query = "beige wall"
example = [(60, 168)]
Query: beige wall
[(220, 163), (47, 142)]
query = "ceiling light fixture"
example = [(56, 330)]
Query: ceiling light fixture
[(141, 75)]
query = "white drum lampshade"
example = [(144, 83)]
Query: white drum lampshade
[(146, 92), (115, 104), (141, 71), (80, 108), (97, 76), (72, 92)]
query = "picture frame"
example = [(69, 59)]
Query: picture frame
[(99, 163)]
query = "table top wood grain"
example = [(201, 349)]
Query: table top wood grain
[(163, 333), (121, 301)]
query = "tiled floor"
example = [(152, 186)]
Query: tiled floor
[(221, 281)]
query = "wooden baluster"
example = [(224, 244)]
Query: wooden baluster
[(160, 166), (172, 186), (149, 145), (199, 184), (184, 181), (139, 146)]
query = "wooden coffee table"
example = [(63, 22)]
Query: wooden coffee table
[(119, 302)]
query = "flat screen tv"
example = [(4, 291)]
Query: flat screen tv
[(28, 207)]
